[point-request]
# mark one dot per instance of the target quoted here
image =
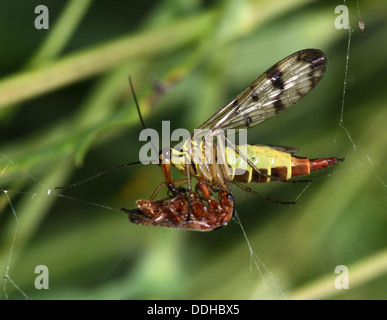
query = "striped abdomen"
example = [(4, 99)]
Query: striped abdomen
[(275, 163), (272, 164)]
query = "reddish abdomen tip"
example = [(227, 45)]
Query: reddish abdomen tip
[(303, 166)]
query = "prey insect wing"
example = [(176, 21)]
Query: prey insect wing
[(276, 90)]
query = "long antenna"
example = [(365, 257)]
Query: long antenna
[(99, 174), (139, 112), (122, 165), (136, 102)]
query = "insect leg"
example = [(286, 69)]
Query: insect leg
[(223, 166), (187, 169), (247, 189), (221, 155), (164, 184), (166, 168)]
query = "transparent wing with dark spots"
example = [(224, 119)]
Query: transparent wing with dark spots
[(279, 88)]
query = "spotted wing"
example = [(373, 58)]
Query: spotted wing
[(279, 88)]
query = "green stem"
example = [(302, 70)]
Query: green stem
[(87, 63), (61, 33), (359, 273)]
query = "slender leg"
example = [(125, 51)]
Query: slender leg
[(166, 168), (221, 155), (165, 184), (247, 189), (188, 174)]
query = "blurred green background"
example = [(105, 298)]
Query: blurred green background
[(66, 113)]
